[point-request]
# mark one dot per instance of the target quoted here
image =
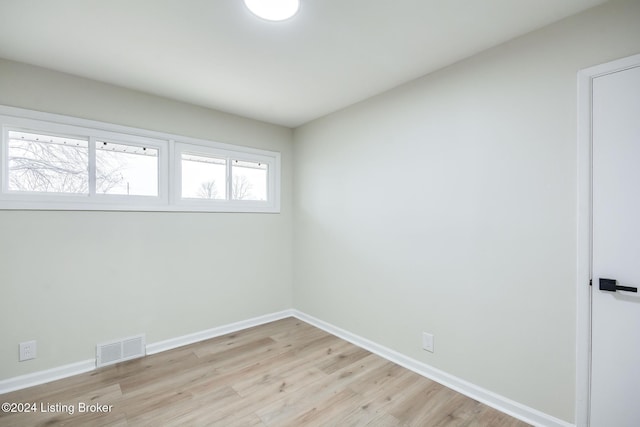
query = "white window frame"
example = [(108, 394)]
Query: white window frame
[(169, 167), (228, 205), (136, 141)]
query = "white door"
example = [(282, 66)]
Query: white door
[(615, 363)]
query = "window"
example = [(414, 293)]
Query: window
[(57, 162), (77, 165), (46, 163), (203, 177), (249, 180), (126, 169), (224, 178)]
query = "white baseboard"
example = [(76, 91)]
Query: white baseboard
[(215, 332), (48, 375), (501, 403)]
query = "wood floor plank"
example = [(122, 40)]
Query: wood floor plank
[(265, 394), (343, 358), (284, 373), (377, 400), (283, 367), (193, 411), (225, 342), (425, 398), (323, 410), (68, 411), (290, 406), (384, 420)]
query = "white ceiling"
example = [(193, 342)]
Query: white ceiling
[(214, 53)]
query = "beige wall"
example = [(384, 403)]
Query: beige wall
[(448, 205), (72, 279)]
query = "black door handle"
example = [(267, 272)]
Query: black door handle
[(610, 285)]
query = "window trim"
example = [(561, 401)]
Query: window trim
[(34, 127), (169, 148), (163, 169), (229, 155)]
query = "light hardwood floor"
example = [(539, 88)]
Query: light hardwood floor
[(285, 373)]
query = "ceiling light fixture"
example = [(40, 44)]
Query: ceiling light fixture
[(273, 10)]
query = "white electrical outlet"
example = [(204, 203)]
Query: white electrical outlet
[(427, 342), (27, 350)]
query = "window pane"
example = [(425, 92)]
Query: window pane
[(203, 177), (126, 169), (47, 163), (249, 180)]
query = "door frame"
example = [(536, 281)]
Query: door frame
[(584, 230)]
